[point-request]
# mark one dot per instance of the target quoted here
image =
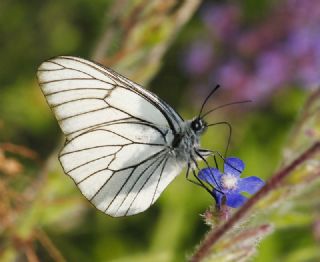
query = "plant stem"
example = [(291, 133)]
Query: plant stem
[(213, 236)]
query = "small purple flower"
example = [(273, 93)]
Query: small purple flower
[(230, 182)]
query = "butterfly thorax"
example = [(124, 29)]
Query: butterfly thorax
[(187, 141)]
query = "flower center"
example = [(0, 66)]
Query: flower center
[(229, 182)]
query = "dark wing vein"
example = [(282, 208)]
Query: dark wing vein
[(145, 182), (76, 89), (132, 186), (107, 168), (74, 69), (159, 178), (78, 99), (83, 113), (93, 147), (93, 160)]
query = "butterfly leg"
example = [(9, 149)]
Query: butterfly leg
[(210, 190), (214, 154), (206, 162), (198, 182), (190, 180), (215, 161), (206, 153)]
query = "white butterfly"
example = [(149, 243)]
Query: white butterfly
[(124, 145)]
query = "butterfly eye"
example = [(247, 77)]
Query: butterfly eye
[(197, 125)]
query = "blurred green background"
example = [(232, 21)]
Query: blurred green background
[(261, 50)]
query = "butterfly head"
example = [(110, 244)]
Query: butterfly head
[(198, 125)]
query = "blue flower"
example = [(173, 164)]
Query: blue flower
[(229, 183)]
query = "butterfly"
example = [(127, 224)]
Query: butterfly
[(124, 144)]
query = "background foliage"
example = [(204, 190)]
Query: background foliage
[(263, 50)]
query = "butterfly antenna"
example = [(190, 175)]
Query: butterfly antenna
[(225, 105), (227, 124), (208, 96)]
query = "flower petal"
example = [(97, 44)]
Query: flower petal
[(250, 184), (235, 200), (233, 166), (211, 176)]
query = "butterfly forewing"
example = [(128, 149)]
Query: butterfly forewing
[(118, 134)]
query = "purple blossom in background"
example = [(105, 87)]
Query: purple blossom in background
[(199, 58), (230, 182), (221, 20), (273, 67), (252, 60)]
